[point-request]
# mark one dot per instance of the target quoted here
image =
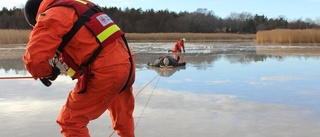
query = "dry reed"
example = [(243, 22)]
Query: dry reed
[(21, 36), (191, 37), (287, 36), (12, 36)]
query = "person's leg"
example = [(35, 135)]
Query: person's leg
[(79, 109), (121, 109), (181, 60), (121, 113), (72, 123)]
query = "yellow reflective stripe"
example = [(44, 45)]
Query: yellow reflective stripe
[(83, 2), (71, 72), (108, 32)]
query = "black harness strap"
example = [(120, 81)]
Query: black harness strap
[(131, 63), (94, 9), (76, 27)]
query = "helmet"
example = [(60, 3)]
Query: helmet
[(31, 10), (184, 39), (166, 61)]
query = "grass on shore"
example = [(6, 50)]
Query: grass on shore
[(288, 36)]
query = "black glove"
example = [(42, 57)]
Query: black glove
[(54, 74), (184, 51), (45, 81)]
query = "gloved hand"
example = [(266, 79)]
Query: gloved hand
[(184, 51), (54, 74), (45, 81)]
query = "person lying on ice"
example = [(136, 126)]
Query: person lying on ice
[(167, 61)]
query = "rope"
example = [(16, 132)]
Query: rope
[(112, 133), (19, 77), (138, 94), (25, 77), (146, 85), (147, 102)]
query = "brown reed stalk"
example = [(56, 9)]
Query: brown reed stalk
[(10, 36), (288, 36), (191, 37)]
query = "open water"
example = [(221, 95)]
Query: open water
[(226, 89)]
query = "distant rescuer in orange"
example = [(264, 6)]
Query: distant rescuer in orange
[(179, 46), (91, 49)]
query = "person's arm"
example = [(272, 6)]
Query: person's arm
[(172, 61), (45, 38), (150, 64), (181, 64), (182, 45), (175, 62)]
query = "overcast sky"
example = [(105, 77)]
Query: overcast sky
[(291, 9)]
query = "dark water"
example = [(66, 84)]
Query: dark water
[(225, 90)]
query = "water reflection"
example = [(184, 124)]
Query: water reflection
[(14, 64), (226, 89), (166, 72)]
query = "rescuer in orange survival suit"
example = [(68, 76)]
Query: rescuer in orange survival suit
[(179, 46), (93, 50)]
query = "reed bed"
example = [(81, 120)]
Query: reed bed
[(191, 37), (10, 36), (288, 36), (277, 36)]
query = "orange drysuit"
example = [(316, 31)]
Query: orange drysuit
[(110, 68), (178, 56), (179, 46)]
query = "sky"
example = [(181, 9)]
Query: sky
[(290, 9)]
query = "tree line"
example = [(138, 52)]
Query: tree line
[(202, 20)]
